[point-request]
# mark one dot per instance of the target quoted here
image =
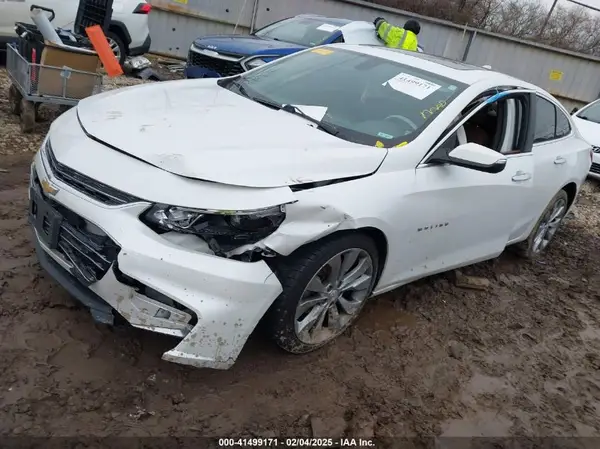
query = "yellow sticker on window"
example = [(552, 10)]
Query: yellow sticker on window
[(401, 144), (322, 51), (430, 112), (379, 144)]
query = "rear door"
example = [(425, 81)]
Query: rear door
[(466, 215), (555, 151)]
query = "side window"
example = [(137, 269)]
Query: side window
[(550, 122), (498, 126), (519, 111), (339, 40), (563, 127), (545, 120)]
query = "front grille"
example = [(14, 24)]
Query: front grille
[(596, 149), (595, 168), (221, 66), (86, 185), (91, 254)]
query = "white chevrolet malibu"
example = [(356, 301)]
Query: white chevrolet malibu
[(293, 193), (587, 120)]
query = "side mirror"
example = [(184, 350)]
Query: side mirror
[(574, 110), (477, 157)]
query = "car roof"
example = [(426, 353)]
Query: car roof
[(459, 71), (591, 103), (331, 20)]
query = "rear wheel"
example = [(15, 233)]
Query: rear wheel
[(546, 227), (117, 46), (325, 286), (14, 99), (27, 116)]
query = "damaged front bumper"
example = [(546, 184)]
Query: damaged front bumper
[(212, 303)]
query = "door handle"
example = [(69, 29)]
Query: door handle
[(521, 176), (559, 160)]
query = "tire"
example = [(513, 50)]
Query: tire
[(38, 116), (299, 270), (27, 116), (14, 99), (531, 249), (115, 43)]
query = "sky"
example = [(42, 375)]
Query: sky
[(594, 3)]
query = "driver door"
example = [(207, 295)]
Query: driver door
[(466, 215)]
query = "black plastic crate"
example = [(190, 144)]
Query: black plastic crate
[(93, 12), (32, 44)]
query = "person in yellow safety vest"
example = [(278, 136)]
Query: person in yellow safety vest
[(396, 37)]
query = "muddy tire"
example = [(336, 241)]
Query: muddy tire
[(545, 228), (38, 116), (325, 286), (14, 99), (27, 116)]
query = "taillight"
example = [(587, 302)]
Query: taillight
[(143, 8)]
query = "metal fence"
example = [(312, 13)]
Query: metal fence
[(573, 78)]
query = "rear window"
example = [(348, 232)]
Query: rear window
[(306, 32), (370, 100), (591, 113)]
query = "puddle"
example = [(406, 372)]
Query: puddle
[(483, 424), (590, 333), (481, 384)]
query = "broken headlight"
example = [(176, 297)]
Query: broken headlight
[(222, 230)]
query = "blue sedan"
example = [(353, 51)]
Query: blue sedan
[(226, 55)]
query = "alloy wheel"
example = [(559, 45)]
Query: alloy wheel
[(114, 47), (549, 225), (334, 296)]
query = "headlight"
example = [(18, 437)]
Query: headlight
[(228, 229), (254, 63), (259, 61)]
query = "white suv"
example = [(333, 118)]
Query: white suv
[(128, 33)]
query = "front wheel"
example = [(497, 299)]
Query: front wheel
[(325, 286), (546, 227)]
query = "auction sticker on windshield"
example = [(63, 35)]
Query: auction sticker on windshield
[(412, 85), (327, 27)]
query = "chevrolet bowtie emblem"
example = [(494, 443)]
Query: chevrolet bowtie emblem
[(48, 188)]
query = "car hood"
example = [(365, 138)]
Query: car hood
[(197, 129), (245, 45), (590, 131)]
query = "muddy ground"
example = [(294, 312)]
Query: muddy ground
[(519, 358)]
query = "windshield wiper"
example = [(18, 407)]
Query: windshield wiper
[(265, 102), (323, 126), (326, 127), (242, 90)]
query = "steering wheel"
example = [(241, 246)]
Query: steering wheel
[(403, 119)]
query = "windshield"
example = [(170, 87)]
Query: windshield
[(591, 113), (369, 100), (303, 31)]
